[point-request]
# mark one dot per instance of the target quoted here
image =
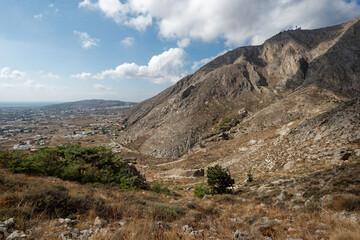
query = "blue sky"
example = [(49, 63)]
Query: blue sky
[(66, 50)]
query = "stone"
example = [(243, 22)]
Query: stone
[(321, 226), (239, 234), (199, 173), (85, 233), (265, 225), (67, 220), (9, 223), (14, 235), (164, 225), (213, 229), (288, 165), (187, 229), (281, 196), (98, 222), (296, 207)]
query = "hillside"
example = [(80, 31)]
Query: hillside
[(88, 104), (293, 76)]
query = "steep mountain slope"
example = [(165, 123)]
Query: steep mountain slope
[(294, 75)]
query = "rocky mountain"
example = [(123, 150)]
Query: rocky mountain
[(88, 104), (251, 97)]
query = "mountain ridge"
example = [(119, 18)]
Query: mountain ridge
[(88, 104), (249, 79)]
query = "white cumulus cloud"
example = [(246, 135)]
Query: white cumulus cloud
[(238, 22), (183, 43), (86, 40), (163, 68), (83, 75), (140, 22), (7, 73), (128, 41), (166, 67), (51, 75), (101, 87)]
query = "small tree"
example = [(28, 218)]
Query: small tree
[(219, 179)]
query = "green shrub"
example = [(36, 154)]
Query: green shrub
[(76, 163), (165, 190), (158, 189), (219, 180), (250, 177), (201, 190)]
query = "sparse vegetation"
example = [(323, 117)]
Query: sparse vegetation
[(177, 188), (158, 189), (226, 124), (201, 190), (219, 180), (250, 177)]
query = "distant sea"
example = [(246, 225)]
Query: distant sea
[(25, 104)]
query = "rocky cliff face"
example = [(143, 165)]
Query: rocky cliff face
[(294, 75)]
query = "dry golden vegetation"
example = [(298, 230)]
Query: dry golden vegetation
[(50, 208)]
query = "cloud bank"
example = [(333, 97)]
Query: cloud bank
[(237, 22), (6, 73)]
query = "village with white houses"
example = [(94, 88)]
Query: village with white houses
[(29, 129)]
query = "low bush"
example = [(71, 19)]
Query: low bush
[(347, 202), (177, 188), (313, 191), (201, 190), (76, 163), (158, 189), (166, 212), (250, 177), (55, 201)]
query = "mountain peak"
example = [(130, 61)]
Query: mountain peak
[(292, 63)]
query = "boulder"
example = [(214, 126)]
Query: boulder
[(199, 173)]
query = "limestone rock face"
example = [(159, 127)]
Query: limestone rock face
[(296, 70)]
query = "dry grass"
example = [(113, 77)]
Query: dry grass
[(147, 215)]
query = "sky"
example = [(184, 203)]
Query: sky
[(130, 50)]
